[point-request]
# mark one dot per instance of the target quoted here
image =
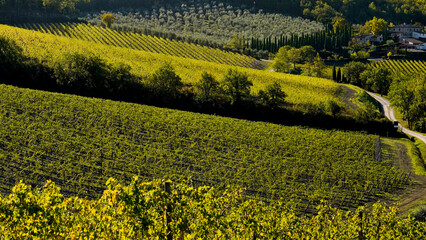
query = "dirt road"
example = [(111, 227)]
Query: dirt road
[(418, 191)]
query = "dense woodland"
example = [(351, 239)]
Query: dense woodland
[(356, 11)]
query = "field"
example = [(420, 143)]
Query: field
[(142, 42), (402, 66), (208, 22), (48, 48), (80, 142)]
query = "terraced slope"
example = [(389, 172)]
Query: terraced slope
[(80, 142), (403, 66), (143, 42), (49, 48)]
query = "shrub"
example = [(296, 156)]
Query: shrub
[(273, 96), (165, 83), (207, 88), (236, 85), (11, 57)]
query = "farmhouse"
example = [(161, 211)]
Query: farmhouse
[(419, 35), (403, 31), (364, 38), (412, 43)]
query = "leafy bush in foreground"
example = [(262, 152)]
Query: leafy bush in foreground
[(143, 210)]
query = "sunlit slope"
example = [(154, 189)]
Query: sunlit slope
[(80, 142), (47, 47), (142, 42), (402, 66)]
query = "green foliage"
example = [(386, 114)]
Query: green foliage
[(339, 24), (318, 66), (420, 213), (352, 72), (48, 48), (11, 58), (273, 96), (289, 55), (236, 43), (307, 54), (90, 73), (367, 112), (165, 82), (143, 42), (406, 67), (360, 55), (208, 88), (210, 23), (408, 93), (281, 61), (10, 52), (323, 12), (334, 108), (108, 19), (236, 85), (376, 79), (375, 26), (62, 6), (81, 71), (143, 210), (80, 142)]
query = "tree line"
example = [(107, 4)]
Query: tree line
[(406, 91), (333, 40), (90, 75), (322, 11)]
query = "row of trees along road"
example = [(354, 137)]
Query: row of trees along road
[(406, 92)]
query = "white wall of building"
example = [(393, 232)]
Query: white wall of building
[(418, 35), (421, 47)]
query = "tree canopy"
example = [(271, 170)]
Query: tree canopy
[(375, 26)]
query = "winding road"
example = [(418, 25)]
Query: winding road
[(418, 192), (389, 113)]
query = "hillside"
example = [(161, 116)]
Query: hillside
[(402, 66), (212, 23), (80, 142), (143, 42), (48, 48)]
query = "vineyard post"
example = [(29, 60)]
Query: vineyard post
[(168, 190), (408, 177), (361, 234)]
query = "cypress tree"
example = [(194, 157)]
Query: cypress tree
[(339, 76), (334, 73)]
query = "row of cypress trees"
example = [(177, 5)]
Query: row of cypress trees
[(326, 39)]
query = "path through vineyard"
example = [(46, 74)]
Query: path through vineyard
[(418, 192)]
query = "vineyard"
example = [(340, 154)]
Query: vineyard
[(49, 48), (165, 210), (142, 42), (402, 66), (80, 142)]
